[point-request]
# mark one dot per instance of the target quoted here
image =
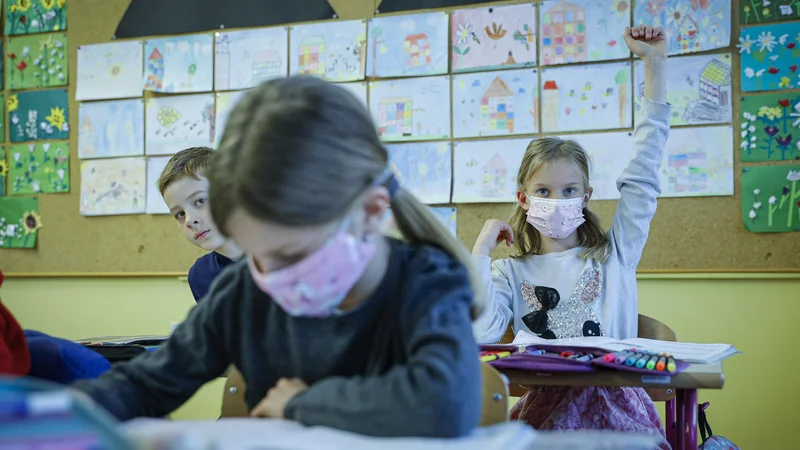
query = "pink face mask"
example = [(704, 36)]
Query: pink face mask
[(317, 285), (555, 218)]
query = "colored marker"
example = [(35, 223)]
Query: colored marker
[(671, 364), (622, 356), (652, 363), (585, 358), (662, 363), (536, 352), (566, 354), (642, 362), (611, 357), (632, 359)]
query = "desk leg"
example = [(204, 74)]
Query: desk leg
[(689, 433), (670, 423), (680, 401)]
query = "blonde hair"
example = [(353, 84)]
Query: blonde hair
[(300, 151), (189, 163), (590, 234)]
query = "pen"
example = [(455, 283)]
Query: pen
[(662, 363), (671, 364), (651, 364)]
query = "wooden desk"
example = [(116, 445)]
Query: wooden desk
[(681, 412)]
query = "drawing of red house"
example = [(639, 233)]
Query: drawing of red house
[(687, 35), (155, 70), (550, 105), (494, 176), (311, 56), (497, 107), (417, 48)]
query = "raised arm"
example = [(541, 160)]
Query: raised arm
[(639, 184), (436, 393)]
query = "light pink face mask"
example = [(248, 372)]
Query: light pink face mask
[(555, 218), (317, 285)]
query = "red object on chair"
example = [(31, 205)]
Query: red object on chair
[(14, 356)]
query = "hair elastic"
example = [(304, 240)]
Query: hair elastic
[(388, 180)]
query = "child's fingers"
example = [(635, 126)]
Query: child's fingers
[(634, 32), (658, 31), (649, 32)]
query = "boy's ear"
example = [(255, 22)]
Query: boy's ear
[(522, 199)]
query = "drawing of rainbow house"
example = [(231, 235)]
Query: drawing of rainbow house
[(497, 107), (564, 34), (715, 83), (311, 56), (550, 105), (417, 48), (494, 175), (687, 35), (395, 116), (155, 70), (266, 65), (687, 173)]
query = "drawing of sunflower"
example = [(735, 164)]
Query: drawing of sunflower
[(46, 43), (61, 3), (56, 118), (12, 103), (31, 222), (23, 5), (47, 4), (3, 168)]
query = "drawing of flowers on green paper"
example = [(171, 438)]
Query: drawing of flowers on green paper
[(770, 127), (769, 57), (35, 16), (3, 171), (37, 61), (780, 187), (760, 11), (19, 222), (38, 115), (39, 168)]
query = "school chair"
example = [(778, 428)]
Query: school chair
[(233, 403)]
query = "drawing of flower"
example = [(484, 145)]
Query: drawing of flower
[(3, 168), (770, 112), (752, 215), (796, 123), (56, 118), (785, 82), (745, 44), (31, 222), (23, 5), (793, 175), (757, 205), (12, 103), (786, 10), (749, 116), (770, 130), (464, 32), (676, 13), (654, 7), (167, 116), (756, 192), (748, 72), (766, 41), (772, 200), (620, 7), (61, 3), (48, 4)]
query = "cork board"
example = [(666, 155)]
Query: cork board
[(687, 235)]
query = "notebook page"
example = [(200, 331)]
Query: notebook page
[(686, 351), (606, 343)]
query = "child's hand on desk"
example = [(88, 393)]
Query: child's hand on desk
[(275, 402)]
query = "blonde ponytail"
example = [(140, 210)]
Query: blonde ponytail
[(419, 225)]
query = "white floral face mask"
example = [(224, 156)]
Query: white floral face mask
[(555, 218)]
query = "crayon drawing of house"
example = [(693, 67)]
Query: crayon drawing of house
[(266, 65), (417, 48), (395, 116), (715, 83), (155, 70), (564, 34), (687, 172), (497, 107), (687, 35), (550, 105), (494, 176), (311, 56)]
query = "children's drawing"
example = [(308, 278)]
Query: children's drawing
[(690, 25), (32, 16), (3, 171), (495, 103), (486, 171), (39, 168), (2, 66), (411, 109), (113, 186), (2, 114), (179, 64), (19, 222), (448, 216), (698, 162), (583, 30), (175, 123), (408, 45), (493, 38), (111, 129), (335, 51), (425, 169), (595, 97), (38, 115), (770, 198), (246, 58), (154, 202), (698, 87), (610, 154), (37, 61), (769, 56), (762, 11), (225, 103), (112, 70), (359, 90), (770, 127)]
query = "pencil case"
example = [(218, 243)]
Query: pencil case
[(679, 367), (551, 361)]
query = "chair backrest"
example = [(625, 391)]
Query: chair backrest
[(650, 328), (494, 396), (233, 404)]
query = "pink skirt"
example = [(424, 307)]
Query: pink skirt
[(559, 408)]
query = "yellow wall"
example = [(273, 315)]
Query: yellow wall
[(759, 316)]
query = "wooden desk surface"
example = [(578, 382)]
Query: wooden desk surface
[(696, 376)]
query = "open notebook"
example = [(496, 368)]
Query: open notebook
[(686, 351)]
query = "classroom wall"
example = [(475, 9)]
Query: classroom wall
[(755, 410)]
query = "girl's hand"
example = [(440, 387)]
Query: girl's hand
[(494, 232), (647, 42), (278, 397)]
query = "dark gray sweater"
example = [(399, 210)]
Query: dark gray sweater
[(403, 363)]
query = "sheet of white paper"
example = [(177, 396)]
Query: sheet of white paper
[(496, 37), (113, 186), (690, 26), (610, 154), (179, 64), (112, 70), (224, 105), (448, 216), (411, 109), (424, 168), (698, 162), (177, 122), (594, 97), (245, 58), (358, 89), (698, 87), (155, 202), (335, 51), (408, 45), (486, 171), (583, 30), (495, 103), (111, 129)]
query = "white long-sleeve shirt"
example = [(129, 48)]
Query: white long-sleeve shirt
[(593, 297)]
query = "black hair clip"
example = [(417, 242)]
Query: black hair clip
[(536, 321)]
